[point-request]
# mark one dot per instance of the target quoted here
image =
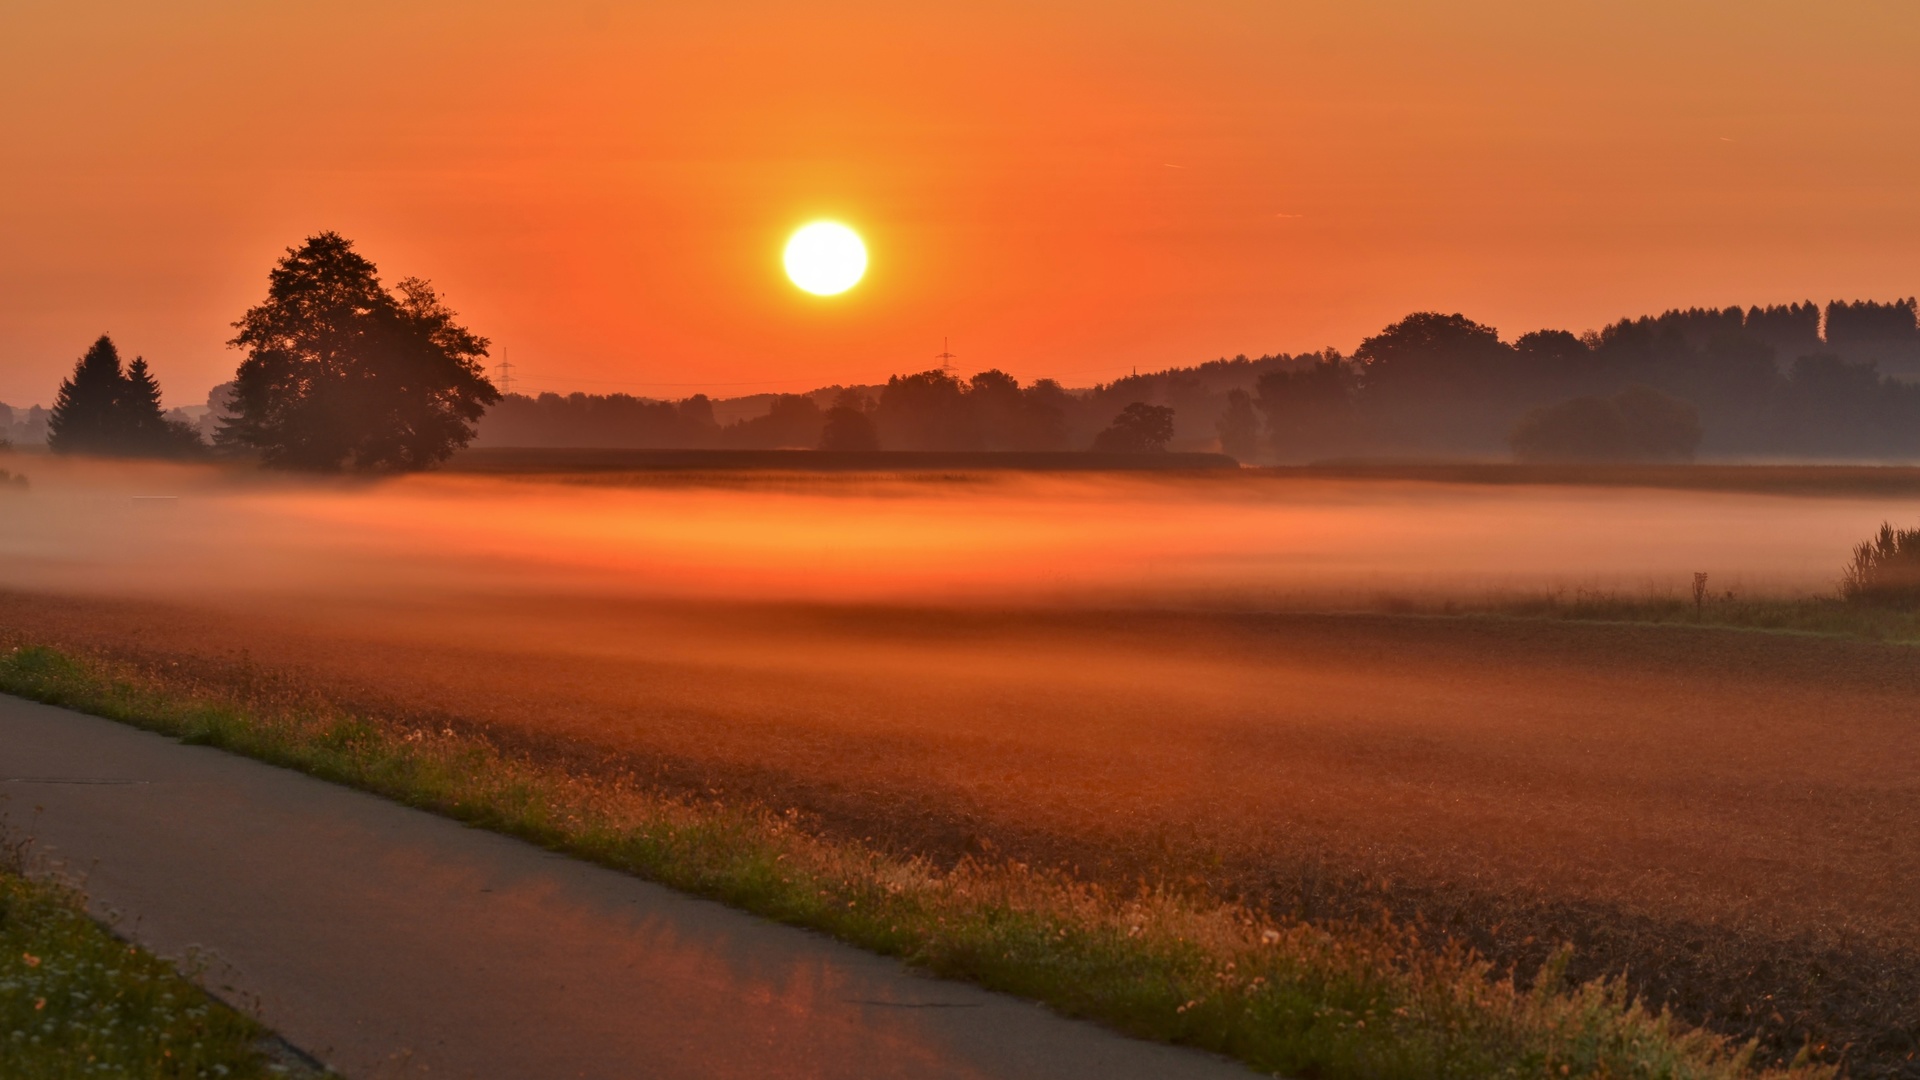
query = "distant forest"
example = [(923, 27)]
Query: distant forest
[(1788, 380), (1795, 380)]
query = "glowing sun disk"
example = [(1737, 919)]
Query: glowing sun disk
[(825, 258)]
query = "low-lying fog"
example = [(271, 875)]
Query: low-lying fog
[(213, 533)]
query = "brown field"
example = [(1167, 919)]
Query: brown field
[(1730, 817)]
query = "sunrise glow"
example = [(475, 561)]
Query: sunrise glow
[(564, 539)]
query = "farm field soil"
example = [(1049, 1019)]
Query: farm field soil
[(1732, 818)]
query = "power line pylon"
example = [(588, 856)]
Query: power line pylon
[(506, 373), (945, 356)]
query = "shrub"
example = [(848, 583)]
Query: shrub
[(1885, 569)]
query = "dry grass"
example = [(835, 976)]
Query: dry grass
[(1349, 999), (1730, 818)]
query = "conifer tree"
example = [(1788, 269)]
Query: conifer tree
[(105, 410), (140, 398), (149, 432), (86, 413)]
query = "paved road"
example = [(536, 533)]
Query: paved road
[(389, 942)]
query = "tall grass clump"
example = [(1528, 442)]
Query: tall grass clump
[(1329, 1001), (1885, 569)]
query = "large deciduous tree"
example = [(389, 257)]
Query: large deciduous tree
[(343, 373)]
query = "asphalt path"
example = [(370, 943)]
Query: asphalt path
[(388, 942)]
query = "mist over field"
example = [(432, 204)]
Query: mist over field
[(1119, 674), (1238, 540)]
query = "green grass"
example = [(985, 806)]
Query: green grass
[(1302, 1000), (77, 1002)]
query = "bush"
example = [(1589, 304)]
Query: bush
[(1885, 569), (1637, 424)]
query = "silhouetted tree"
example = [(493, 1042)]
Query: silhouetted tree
[(1884, 333), (29, 426), (1139, 429), (1433, 378), (140, 395), (1239, 427), (696, 414), (1867, 323), (150, 433), (1310, 412), (1637, 424), (928, 411), (1554, 363), (1002, 416), (340, 372), (1792, 329), (1044, 412), (103, 409), (1428, 351), (847, 426), (86, 415)]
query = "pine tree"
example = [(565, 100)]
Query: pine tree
[(86, 413), (104, 410), (149, 432), (140, 398)]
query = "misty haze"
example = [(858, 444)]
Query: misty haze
[(1039, 542)]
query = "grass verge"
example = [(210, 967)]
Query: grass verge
[(1304, 1000), (77, 1002)]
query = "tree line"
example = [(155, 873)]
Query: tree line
[(341, 372), (1785, 380), (931, 410), (1764, 381)]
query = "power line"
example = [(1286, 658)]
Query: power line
[(506, 373)]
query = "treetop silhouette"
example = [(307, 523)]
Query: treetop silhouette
[(341, 372), (103, 409), (1139, 429), (847, 426)]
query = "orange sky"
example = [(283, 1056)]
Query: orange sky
[(1065, 189)]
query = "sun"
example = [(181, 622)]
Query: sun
[(826, 258)]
